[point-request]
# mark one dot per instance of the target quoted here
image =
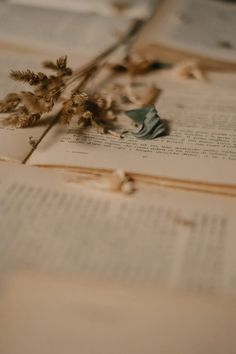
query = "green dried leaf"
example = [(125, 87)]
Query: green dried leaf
[(152, 126)]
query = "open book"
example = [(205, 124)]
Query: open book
[(198, 153), (191, 29), (153, 272)]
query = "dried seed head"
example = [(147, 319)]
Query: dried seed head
[(27, 120), (28, 76), (23, 118), (80, 99), (9, 103), (29, 106), (60, 66), (35, 103), (67, 112), (62, 62)]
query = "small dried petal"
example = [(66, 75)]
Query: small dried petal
[(110, 116), (189, 69), (88, 115)]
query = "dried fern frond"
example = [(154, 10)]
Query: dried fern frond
[(28, 76)]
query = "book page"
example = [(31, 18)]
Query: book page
[(54, 31), (200, 146), (158, 237), (42, 314), (198, 27)]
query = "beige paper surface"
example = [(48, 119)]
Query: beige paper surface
[(45, 315)]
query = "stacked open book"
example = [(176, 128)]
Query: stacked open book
[(171, 239), (198, 153)]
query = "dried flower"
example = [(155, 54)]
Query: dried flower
[(89, 108), (121, 182), (28, 107)]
